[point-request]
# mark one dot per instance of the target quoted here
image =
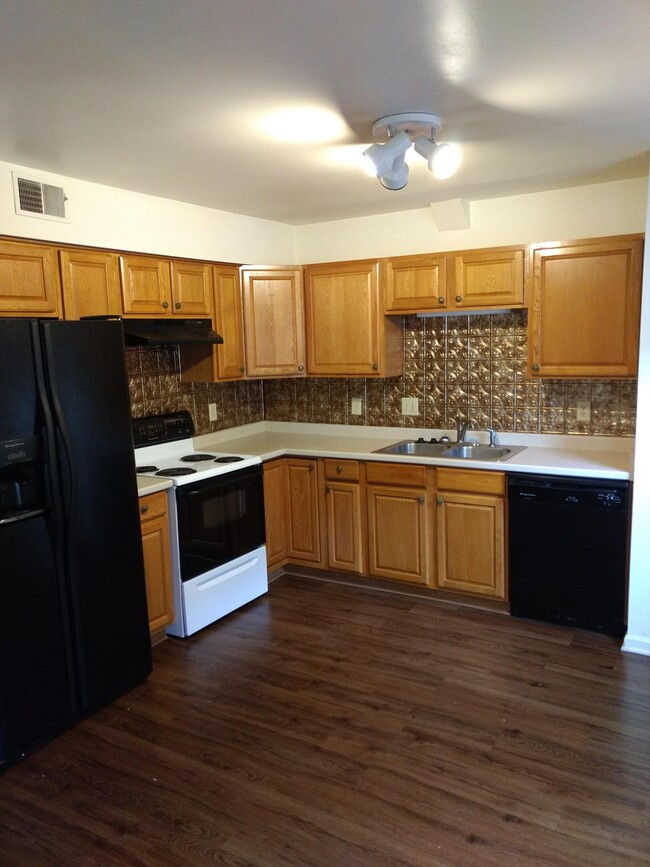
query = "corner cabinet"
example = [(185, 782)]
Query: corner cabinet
[(493, 278), (273, 321), (228, 322), (470, 522), (29, 280), (157, 561), (585, 310), (346, 330)]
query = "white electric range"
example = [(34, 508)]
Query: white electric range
[(216, 520)]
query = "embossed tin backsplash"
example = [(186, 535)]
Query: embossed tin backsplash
[(473, 366)]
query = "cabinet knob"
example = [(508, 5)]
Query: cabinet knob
[(441, 300), (327, 489), (301, 367), (177, 305), (536, 368), (311, 468), (375, 366), (459, 298), (242, 369), (165, 305), (144, 509), (439, 501), (339, 469), (421, 500)]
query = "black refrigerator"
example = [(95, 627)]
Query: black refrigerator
[(74, 629)]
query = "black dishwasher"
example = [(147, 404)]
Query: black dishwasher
[(568, 551)]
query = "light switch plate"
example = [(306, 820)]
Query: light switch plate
[(410, 406), (355, 406), (583, 410), (212, 411)]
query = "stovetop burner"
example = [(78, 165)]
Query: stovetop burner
[(176, 471), (149, 469), (227, 459), (197, 457)]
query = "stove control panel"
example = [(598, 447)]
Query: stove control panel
[(166, 428)]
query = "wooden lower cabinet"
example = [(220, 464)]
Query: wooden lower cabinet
[(399, 521), (345, 515), (157, 560), (304, 519), (275, 513), (471, 532)]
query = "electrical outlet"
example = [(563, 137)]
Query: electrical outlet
[(355, 406), (583, 410), (410, 406), (212, 411)]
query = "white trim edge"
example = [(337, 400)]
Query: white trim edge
[(637, 644)]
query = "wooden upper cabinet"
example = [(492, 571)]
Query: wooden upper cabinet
[(228, 322), (29, 280), (91, 283), (487, 278), (273, 321), (415, 283), (467, 279), (585, 308), (146, 286), (347, 333), (191, 288)]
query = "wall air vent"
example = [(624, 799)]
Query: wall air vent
[(34, 198)]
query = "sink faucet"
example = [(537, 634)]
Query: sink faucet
[(461, 429), (493, 435)]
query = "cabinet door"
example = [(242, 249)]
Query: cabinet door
[(273, 322), (584, 317), (191, 288), (91, 283), (471, 544), (29, 280), (344, 527), (228, 322), (146, 286), (157, 560), (303, 511), (416, 283), (487, 278), (397, 533), (347, 333), (275, 513)]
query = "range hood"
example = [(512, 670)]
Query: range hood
[(152, 332)]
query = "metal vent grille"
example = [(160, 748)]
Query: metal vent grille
[(37, 199)]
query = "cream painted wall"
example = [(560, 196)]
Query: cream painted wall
[(616, 208), (102, 216), (637, 639)]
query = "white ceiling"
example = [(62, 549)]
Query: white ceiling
[(168, 97)]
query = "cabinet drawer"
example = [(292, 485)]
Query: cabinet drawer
[(153, 506), (474, 481), (345, 471), (396, 474)]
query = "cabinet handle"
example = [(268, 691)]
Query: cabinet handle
[(301, 367), (144, 509), (177, 305), (421, 500), (375, 366), (536, 368), (459, 298), (439, 501), (339, 469), (165, 305), (441, 300)]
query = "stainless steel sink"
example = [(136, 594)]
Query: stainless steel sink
[(463, 451)]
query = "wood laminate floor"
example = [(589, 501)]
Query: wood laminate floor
[(332, 725)]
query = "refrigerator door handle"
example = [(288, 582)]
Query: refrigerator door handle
[(23, 516)]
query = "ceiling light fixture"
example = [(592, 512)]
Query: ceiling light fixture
[(386, 161)]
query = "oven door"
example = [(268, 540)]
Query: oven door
[(219, 519)]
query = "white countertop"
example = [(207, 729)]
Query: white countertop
[(594, 457), (149, 485)]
